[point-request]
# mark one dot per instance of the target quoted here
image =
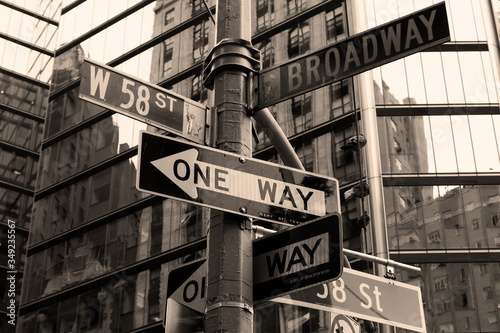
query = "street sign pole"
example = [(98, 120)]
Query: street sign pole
[(372, 153), (228, 68)]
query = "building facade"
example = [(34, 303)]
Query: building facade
[(99, 251), (27, 42)]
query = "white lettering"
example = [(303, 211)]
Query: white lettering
[(351, 56), (412, 33), (97, 80), (391, 38), (377, 299), (373, 39), (294, 76), (368, 304), (335, 60), (312, 69), (428, 23), (171, 105), (161, 99)]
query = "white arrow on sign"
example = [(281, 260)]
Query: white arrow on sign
[(189, 174)]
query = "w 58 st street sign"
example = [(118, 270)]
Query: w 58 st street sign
[(217, 179), (149, 103)]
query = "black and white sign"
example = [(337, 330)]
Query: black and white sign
[(186, 298), (151, 104), (365, 296), (297, 258), (217, 179), (358, 53), (186, 285)]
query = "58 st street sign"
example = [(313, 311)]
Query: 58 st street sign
[(358, 53), (213, 178), (151, 104), (365, 296)]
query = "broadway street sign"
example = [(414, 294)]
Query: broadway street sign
[(297, 258), (152, 104), (217, 179), (358, 53), (365, 296)]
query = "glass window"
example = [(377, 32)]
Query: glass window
[(199, 93), (295, 6), (340, 98), (461, 12), (433, 78), (476, 89), (301, 112), (484, 143), (17, 168), (266, 53), (335, 30), (454, 88), (23, 95), (415, 79), (394, 86), (200, 41), (15, 206), (168, 52), (463, 142), (299, 39), (265, 14), (20, 131), (169, 16)]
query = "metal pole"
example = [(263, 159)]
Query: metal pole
[(228, 67), (280, 142), (386, 262), (372, 152)]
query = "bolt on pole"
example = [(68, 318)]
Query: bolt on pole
[(228, 72)]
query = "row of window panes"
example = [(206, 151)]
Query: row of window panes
[(458, 297), (465, 17), (85, 200), (47, 8), (92, 13), (15, 206), (168, 58), (303, 112), (267, 13), (443, 217), (310, 35), (22, 95), (20, 131), (154, 64), (123, 303), (133, 301), (27, 28), (117, 244), (91, 145), (66, 111), (302, 38), (442, 144), (18, 169), (25, 61), (437, 78)]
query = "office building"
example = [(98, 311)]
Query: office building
[(27, 42), (100, 251)]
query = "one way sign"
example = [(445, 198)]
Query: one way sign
[(217, 179)]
